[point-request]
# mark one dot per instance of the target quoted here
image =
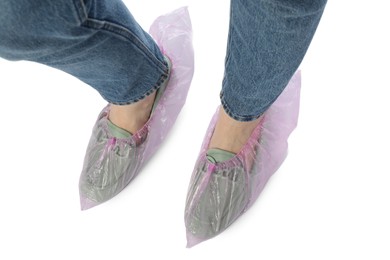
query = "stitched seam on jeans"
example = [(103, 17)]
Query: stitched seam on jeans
[(116, 29), (294, 10), (232, 115), (160, 81), (80, 10), (122, 32)]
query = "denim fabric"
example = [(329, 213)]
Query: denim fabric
[(97, 41), (267, 42)]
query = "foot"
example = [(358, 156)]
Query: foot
[(231, 135), (132, 117), (218, 195)]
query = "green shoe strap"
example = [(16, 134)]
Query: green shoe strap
[(218, 155), (116, 131)]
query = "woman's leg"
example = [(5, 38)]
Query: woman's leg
[(99, 42), (267, 42)]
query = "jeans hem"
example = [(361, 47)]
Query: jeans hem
[(235, 116), (160, 82)]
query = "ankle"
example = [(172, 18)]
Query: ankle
[(134, 116), (231, 135)]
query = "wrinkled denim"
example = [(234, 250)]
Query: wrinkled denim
[(267, 42), (97, 41)]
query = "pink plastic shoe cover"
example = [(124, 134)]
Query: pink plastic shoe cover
[(221, 192), (119, 160)]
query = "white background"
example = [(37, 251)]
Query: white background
[(329, 200)]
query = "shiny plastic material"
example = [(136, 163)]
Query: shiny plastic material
[(221, 192), (111, 163)]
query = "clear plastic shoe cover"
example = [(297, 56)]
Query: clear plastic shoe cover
[(111, 163), (221, 192)]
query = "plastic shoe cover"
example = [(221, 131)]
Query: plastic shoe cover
[(111, 163), (220, 192)]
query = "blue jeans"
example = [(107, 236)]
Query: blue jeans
[(100, 43), (267, 42), (97, 41)]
